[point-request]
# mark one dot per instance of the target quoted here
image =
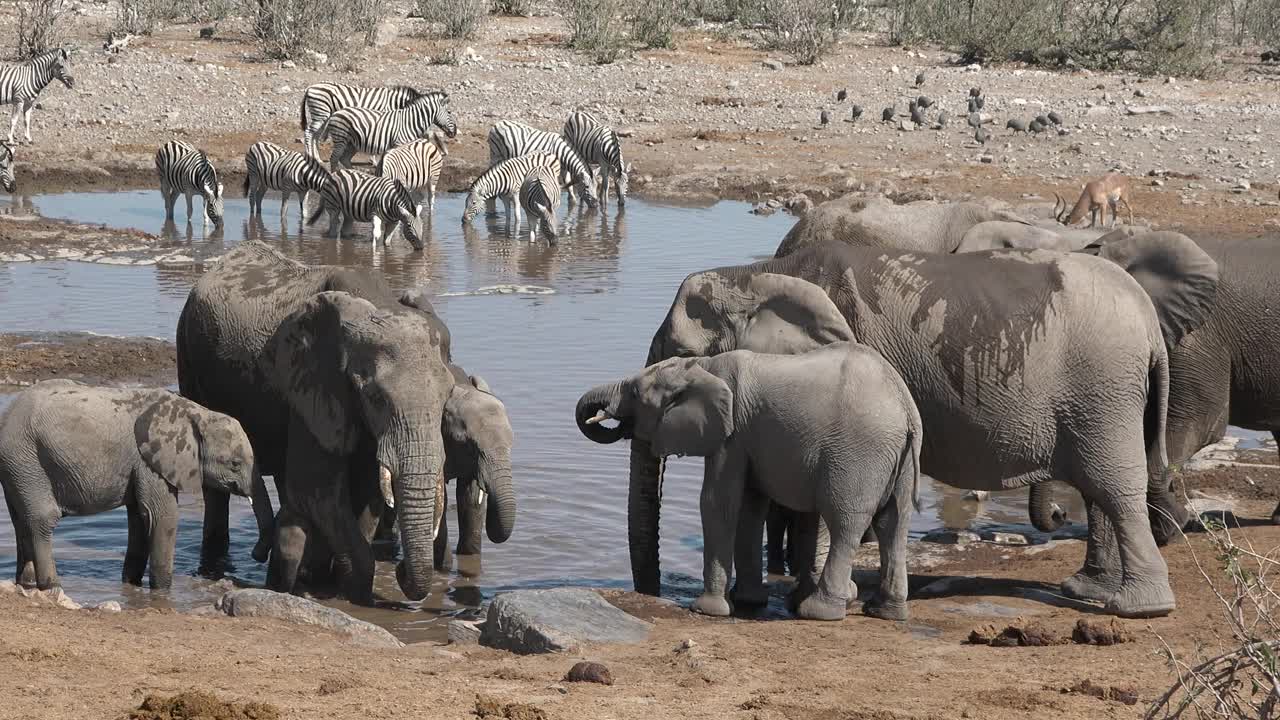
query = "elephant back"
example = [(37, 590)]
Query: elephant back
[(924, 226)]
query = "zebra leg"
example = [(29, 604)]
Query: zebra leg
[(333, 223), (604, 187), (284, 202), (431, 199), (189, 194), (377, 229), (302, 204), (13, 122), (170, 199), (347, 223), (28, 106)]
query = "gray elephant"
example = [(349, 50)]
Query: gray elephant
[(1222, 372), (833, 432), (341, 388), (998, 234), (72, 449), (1025, 365)]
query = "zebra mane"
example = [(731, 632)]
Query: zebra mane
[(50, 54), (6, 149), (313, 163)]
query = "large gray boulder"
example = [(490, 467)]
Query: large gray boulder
[(267, 603), (557, 620)]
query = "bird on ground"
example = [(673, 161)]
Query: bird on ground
[(919, 79), (1036, 127), (924, 101), (973, 105), (917, 114), (824, 118), (887, 114), (941, 122), (975, 120), (975, 91), (981, 136), (842, 94), (1055, 118), (855, 113), (980, 101), (1016, 125)]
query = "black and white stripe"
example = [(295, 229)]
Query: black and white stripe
[(504, 180), (368, 131), (417, 166), (540, 198), (271, 167), (357, 197), (20, 83), (6, 168), (184, 170), (321, 100), (509, 139), (598, 145)]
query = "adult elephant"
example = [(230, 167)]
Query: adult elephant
[(340, 386), (1224, 371), (1009, 234), (1025, 365)]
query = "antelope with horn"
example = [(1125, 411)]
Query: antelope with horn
[(1108, 191)]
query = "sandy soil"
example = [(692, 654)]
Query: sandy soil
[(29, 358)]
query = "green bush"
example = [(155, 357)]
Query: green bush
[(143, 17), (654, 22), (805, 29), (460, 19), (523, 8), (292, 29), (595, 28)]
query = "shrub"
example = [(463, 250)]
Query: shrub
[(595, 27), (653, 22), (143, 17), (459, 18), (805, 29), (212, 10), (523, 8), (39, 26), (294, 28)]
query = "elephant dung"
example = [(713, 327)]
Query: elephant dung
[(557, 620), (593, 672), (266, 603)]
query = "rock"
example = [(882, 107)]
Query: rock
[(589, 672), (798, 204), (108, 606), (288, 65), (773, 64), (317, 58), (1147, 110), (973, 68), (471, 55), (1241, 186), (266, 603), (464, 632), (1004, 538), (385, 34), (557, 620), (986, 159), (951, 537)]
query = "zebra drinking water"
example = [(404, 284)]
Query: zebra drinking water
[(598, 144), (321, 100), (509, 139), (271, 167), (6, 167), (417, 166), (20, 84), (504, 181), (540, 198), (355, 196), (187, 171), (358, 130)]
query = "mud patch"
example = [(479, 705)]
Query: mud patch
[(26, 359), (197, 705), (488, 707), (1126, 695)]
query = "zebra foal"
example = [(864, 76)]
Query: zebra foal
[(21, 83), (271, 167), (184, 170), (417, 166), (321, 100), (357, 197), (358, 130), (598, 145), (508, 139), (6, 167), (504, 181)]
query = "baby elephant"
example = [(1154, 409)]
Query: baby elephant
[(833, 431), (72, 449)]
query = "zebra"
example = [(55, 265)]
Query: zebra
[(359, 130), (321, 100), (539, 198), (271, 167), (6, 167), (417, 166), (503, 181), (184, 170), (509, 139), (597, 144), (355, 196), (20, 84)]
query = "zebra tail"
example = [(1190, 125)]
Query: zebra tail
[(246, 182), (302, 112), (316, 215)]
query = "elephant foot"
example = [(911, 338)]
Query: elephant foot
[(262, 550), (1142, 600), (1094, 588), (820, 606), (780, 568), (880, 606), (713, 605), (754, 596), (1168, 518)]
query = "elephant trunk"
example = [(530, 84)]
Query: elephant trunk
[(265, 516), (1046, 515), (495, 480), (644, 503), (472, 506), (593, 401), (415, 457)]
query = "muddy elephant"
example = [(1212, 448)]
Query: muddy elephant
[(998, 234), (1026, 365), (831, 432), (1224, 371), (341, 388), (73, 449)]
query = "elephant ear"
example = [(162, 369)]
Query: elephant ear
[(167, 441), (305, 361), (791, 316), (697, 417), (478, 383), (1180, 277)]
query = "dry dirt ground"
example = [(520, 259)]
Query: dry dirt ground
[(706, 120)]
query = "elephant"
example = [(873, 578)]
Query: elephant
[(833, 432), (1222, 372), (341, 388), (997, 234), (73, 449), (1026, 365)]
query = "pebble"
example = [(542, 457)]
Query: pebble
[(773, 64), (951, 537)]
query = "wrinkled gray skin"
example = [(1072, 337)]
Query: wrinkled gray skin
[(334, 380), (72, 449), (1002, 234), (1224, 371), (1057, 358), (833, 432)]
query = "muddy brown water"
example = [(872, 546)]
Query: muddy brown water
[(539, 324)]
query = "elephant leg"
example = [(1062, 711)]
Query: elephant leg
[(722, 488), (215, 542), (316, 568), (833, 594), (440, 552), (892, 523), (812, 543), (779, 540), (135, 554), (472, 506), (1144, 588), (286, 556), (160, 515), (25, 573), (749, 589), (1101, 575)]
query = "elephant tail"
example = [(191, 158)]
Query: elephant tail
[(911, 453), (1167, 516)]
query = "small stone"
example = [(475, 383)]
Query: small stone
[(773, 64), (977, 495), (1004, 538), (593, 672), (288, 65), (986, 159), (686, 644), (1157, 183), (951, 537), (733, 85), (1241, 186), (975, 67), (108, 606)]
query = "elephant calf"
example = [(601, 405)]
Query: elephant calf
[(833, 431), (72, 449)]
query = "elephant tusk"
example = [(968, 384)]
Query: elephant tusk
[(481, 495), (601, 417), (384, 481)]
